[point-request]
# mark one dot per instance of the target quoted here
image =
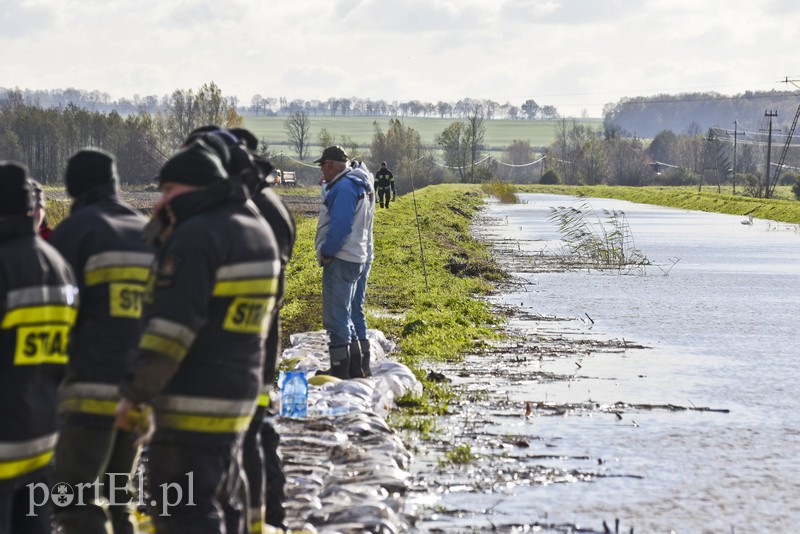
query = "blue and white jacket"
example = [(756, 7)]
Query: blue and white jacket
[(344, 229)]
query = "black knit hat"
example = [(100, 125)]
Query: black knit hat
[(15, 189), (89, 168), (195, 164)]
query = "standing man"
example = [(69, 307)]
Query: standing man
[(37, 308), (360, 353), (341, 243), (384, 180), (102, 241), (208, 302)]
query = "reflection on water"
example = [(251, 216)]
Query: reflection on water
[(721, 327)]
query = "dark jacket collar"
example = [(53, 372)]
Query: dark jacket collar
[(17, 226), (95, 195)]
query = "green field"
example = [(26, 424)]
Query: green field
[(499, 133)]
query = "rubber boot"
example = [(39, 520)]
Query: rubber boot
[(365, 356), (340, 362), (355, 360)]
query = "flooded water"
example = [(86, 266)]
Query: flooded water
[(708, 437)]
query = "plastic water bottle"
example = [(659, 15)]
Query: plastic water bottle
[(294, 395)]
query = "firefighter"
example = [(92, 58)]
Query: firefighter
[(261, 461), (384, 183), (37, 308), (261, 441), (208, 301), (101, 240)]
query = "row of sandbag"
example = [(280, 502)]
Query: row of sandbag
[(346, 470)]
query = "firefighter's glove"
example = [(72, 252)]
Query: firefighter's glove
[(137, 419)]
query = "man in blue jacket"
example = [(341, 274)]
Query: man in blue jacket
[(342, 248)]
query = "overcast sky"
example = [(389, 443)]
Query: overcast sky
[(574, 54)]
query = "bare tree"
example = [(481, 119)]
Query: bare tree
[(476, 133), (298, 128)]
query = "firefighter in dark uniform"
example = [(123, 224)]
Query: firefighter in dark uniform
[(384, 184), (37, 308), (102, 241), (262, 464), (199, 361)]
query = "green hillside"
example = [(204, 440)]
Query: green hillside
[(499, 133)]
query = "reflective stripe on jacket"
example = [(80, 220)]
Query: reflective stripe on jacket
[(102, 241), (207, 307), (38, 301)]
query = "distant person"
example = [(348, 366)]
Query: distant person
[(39, 212), (38, 300), (341, 243), (384, 182), (101, 240)]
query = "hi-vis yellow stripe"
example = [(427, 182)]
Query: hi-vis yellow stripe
[(256, 526), (15, 468), (203, 423), (90, 406), (163, 345), (263, 399), (251, 286), (48, 314), (116, 274)]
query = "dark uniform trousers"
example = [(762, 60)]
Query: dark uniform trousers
[(79, 462), (384, 195), (196, 488), (16, 503)]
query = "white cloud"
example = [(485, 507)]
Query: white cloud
[(573, 54)]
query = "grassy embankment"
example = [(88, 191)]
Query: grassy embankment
[(689, 198), (438, 323)]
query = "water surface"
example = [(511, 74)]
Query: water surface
[(718, 311)]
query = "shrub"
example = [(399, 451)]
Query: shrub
[(550, 178), (796, 189)]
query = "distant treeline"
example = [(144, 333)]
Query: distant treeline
[(272, 106), (44, 138), (697, 112)]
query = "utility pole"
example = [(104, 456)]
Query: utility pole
[(769, 115), (736, 134)]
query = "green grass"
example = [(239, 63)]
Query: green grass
[(499, 133), (689, 198), (441, 322)]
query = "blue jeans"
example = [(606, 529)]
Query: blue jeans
[(339, 279), (358, 320)]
